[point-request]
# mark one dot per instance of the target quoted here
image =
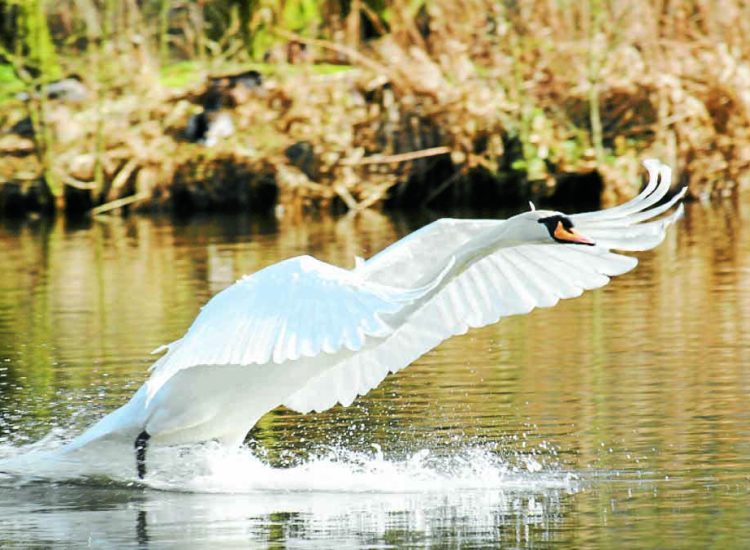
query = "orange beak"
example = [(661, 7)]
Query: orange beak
[(571, 235)]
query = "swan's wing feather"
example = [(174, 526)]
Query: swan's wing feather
[(659, 183), (634, 226), (511, 281), (410, 258), (507, 281), (297, 308)]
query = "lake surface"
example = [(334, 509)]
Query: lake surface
[(618, 419)]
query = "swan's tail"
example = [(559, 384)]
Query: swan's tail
[(105, 449), (123, 424)]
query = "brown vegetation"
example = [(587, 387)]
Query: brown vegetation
[(440, 99)]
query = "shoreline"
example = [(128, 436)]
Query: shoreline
[(157, 166), (443, 116), (297, 138)]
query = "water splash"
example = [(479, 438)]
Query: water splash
[(335, 497), (341, 470), (213, 469)]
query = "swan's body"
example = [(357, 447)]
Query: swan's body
[(308, 335)]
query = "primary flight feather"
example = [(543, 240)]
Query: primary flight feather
[(309, 335)]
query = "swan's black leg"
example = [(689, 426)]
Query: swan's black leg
[(140, 453)]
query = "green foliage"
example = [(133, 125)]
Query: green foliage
[(10, 84), (33, 42), (186, 73), (181, 74), (33, 59), (299, 15)]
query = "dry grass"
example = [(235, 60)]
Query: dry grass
[(671, 79)]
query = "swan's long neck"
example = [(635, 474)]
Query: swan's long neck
[(485, 243)]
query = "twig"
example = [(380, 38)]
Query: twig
[(346, 196), (374, 19), (351, 53), (401, 157), (374, 197), (119, 203), (78, 184), (443, 186), (122, 176)]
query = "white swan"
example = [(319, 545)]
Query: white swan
[(308, 335)]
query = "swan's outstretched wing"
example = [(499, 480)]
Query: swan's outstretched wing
[(628, 226), (297, 308), (620, 228), (409, 259), (508, 281)]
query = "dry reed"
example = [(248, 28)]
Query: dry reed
[(537, 89)]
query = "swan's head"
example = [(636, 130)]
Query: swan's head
[(548, 226)]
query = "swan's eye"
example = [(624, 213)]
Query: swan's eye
[(551, 222), (561, 230)]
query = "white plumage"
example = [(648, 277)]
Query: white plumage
[(308, 335)]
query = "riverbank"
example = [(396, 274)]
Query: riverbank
[(442, 115), (304, 137)]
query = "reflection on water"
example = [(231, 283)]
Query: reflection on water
[(619, 417), (116, 518)]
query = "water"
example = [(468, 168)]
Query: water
[(620, 418)]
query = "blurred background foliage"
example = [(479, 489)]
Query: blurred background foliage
[(354, 104)]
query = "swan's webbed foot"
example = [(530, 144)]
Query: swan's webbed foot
[(140, 453)]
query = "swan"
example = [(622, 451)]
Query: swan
[(308, 335)]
